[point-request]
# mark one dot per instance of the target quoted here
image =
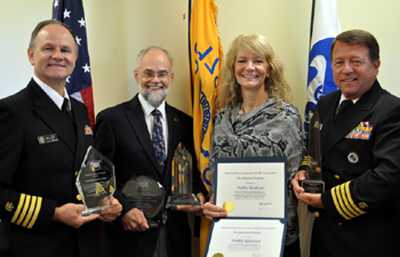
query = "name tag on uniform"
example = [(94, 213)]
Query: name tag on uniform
[(362, 131), (47, 139)]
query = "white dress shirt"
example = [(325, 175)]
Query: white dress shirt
[(53, 94)]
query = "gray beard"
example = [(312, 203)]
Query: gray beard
[(154, 98)]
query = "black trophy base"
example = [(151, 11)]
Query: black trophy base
[(187, 199), (313, 186)]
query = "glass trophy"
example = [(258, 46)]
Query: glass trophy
[(181, 183), (95, 181), (314, 183), (148, 195)]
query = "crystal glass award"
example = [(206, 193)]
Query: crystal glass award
[(181, 183), (314, 182), (95, 181), (148, 195)]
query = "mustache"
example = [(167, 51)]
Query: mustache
[(154, 85)]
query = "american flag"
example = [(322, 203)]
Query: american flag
[(79, 84)]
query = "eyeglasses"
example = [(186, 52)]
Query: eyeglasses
[(151, 74)]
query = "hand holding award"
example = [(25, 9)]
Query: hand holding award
[(148, 195), (312, 162)]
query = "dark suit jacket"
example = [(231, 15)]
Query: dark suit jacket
[(40, 152), (361, 169), (122, 135)]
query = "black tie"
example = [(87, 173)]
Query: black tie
[(343, 106), (66, 108)]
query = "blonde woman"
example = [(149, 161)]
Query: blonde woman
[(256, 119)]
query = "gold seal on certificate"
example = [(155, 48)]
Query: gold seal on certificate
[(229, 206), (218, 255), (95, 181)]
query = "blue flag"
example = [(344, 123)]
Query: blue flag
[(324, 28), (79, 84)]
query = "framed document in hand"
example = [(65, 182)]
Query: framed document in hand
[(253, 187), (253, 193), (246, 238)]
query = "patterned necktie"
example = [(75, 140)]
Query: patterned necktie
[(158, 138)]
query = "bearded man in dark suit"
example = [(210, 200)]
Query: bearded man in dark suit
[(124, 133)]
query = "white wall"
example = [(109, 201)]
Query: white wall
[(381, 18), (17, 19), (163, 23), (118, 29), (108, 51)]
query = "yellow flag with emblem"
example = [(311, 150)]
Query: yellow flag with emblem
[(205, 63)]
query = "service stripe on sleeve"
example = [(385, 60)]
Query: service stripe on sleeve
[(19, 207), (335, 202), (24, 210), (349, 208), (36, 213), (30, 211), (341, 202), (350, 199)]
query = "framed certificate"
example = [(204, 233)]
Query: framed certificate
[(253, 192), (246, 238), (252, 187)]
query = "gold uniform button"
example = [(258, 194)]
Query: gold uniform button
[(316, 214), (78, 197), (336, 176)]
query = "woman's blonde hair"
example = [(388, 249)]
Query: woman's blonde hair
[(275, 84)]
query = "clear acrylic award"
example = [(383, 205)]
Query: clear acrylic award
[(95, 181)]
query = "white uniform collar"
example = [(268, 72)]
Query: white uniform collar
[(342, 98), (53, 94)]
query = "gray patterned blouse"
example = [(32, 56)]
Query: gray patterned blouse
[(273, 129)]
